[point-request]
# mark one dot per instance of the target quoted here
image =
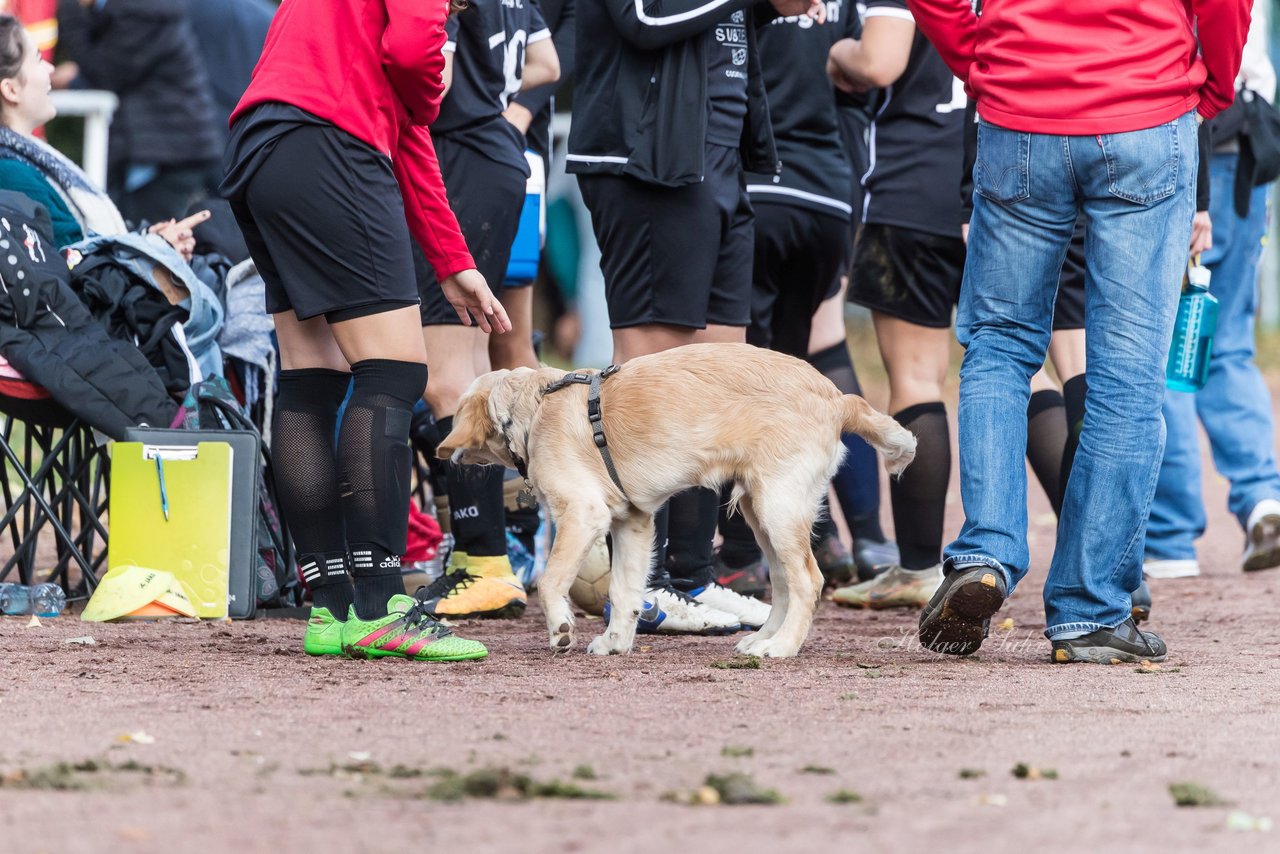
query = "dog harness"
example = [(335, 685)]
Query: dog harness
[(593, 380)]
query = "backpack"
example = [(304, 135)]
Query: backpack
[(210, 405)]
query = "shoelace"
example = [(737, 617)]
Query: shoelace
[(419, 618), (445, 584)]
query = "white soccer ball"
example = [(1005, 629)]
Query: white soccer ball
[(591, 587)]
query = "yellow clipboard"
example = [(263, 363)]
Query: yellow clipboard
[(170, 510)]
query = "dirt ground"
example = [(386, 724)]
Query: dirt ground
[(225, 737)]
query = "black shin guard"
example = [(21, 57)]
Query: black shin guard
[(306, 478), (1073, 393), (1046, 442), (374, 462), (919, 495)]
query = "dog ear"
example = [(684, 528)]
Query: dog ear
[(472, 426)]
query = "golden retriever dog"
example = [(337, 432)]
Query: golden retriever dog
[(698, 415)]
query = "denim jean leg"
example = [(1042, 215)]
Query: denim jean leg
[(1177, 517), (1024, 212), (1235, 404), (1138, 200)]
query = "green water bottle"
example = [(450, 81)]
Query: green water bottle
[(1188, 367)]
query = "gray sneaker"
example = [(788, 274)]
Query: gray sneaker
[(1126, 642), (1262, 551), (957, 618)]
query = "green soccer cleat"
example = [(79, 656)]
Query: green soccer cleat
[(407, 631), (324, 634)]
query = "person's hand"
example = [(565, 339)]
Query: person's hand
[(839, 79), (815, 9), (519, 116), (470, 297), (964, 233), (64, 74), (180, 234), (1201, 233)]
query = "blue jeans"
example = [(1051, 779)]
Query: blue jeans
[(1136, 193), (1235, 405)]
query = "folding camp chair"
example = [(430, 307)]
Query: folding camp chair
[(54, 482)]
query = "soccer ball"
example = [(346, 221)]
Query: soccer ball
[(591, 587)]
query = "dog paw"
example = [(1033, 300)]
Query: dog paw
[(602, 645), (747, 645), (770, 648), (562, 639)]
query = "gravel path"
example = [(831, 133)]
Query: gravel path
[(240, 743)]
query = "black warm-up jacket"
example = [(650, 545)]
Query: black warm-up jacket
[(640, 95)]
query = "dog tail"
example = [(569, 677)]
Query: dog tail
[(884, 434)]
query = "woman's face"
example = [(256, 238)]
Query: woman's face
[(26, 96)]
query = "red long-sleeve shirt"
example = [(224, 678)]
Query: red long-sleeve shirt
[(1090, 66), (372, 67)]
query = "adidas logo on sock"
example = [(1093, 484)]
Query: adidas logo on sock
[(391, 562)]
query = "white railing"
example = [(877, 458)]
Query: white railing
[(97, 108)]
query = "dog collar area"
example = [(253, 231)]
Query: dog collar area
[(593, 380)]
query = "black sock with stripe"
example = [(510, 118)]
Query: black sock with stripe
[(326, 575)]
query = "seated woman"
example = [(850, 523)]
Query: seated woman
[(34, 168)]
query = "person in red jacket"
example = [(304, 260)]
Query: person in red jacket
[(331, 172), (1085, 109)]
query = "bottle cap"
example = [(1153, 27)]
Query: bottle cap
[(1198, 276)]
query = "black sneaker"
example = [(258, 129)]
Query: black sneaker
[(749, 580), (1111, 646), (956, 620), (834, 561), (874, 557), (1140, 606)]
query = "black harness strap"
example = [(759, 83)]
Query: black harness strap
[(593, 380)]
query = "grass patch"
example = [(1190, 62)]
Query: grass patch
[(736, 789), (844, 796), (742, 662), (1023, 771), (1195, 795), (503, 784), (972, 773), (817, 769), (584, 772), (89, 773), (736, 751)]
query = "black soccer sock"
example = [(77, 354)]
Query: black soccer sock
[(326, 575), (305, 468), (738, 547), (1073, 392), (691, 533), (476, 511), (1046, 442), (824, 527), (857, 481), (658, 575), (374, 464), (919, 494), (439, 470), (521, 522)]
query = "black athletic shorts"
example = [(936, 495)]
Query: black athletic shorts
[(675, 255), (486, 197), (323, 218), (798, 254), (1068, 311), (912, 275)]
